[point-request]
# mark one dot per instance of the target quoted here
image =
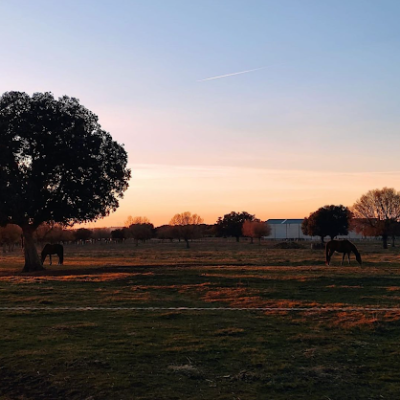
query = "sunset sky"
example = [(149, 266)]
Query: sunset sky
[(271, 107)]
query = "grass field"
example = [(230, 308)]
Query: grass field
[(336, 353)]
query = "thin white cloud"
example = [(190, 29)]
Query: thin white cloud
[(227, 75)]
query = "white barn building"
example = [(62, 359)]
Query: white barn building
[(290, 229)]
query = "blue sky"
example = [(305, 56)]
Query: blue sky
[(325, 100)]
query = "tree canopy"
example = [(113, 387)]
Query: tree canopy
[(329, 220), (56, 164), (141, 231), (231, 224)]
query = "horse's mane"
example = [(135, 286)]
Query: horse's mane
[(353, 248)]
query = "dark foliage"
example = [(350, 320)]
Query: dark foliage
[(327, 221), (165, 232), (83, 234), (120, 235), (142, 232)]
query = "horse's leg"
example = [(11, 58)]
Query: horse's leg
[(348, 258), (344, 254), (330, 254), (50, 258)]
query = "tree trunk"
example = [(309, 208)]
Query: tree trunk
[(187, 243), (384, 240), (32, 260)]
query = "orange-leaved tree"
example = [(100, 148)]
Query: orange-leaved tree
[(255, 229)]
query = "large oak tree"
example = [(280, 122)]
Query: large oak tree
[(56, 165)]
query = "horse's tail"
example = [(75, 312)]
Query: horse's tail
[(356, 252), (327, 256)]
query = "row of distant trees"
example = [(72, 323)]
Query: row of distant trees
[(182, 227), (11, 235), (377, 213), (186, 226)]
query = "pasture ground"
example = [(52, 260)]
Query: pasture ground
[(201, 354)]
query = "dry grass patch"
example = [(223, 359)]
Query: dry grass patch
[(74, 326), (231, 331), (68, 276), (185, 369)]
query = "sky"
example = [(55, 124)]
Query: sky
[(276, 107)]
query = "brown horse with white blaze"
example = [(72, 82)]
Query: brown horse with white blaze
[(50, 249), (341, 246)]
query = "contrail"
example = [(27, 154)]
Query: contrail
[(225, 76)]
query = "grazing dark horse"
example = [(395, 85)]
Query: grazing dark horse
[(341, 246), (50, 249)]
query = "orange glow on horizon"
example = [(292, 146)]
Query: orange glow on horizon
[(158, 192)]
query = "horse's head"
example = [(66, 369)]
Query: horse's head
[(358, 258)]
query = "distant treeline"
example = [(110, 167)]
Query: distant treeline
[(183, 227), (376, 213)]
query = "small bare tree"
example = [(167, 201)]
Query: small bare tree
[(377, 212), (136, 220), (187, 225)]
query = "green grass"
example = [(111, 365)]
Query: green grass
[(130, 354)]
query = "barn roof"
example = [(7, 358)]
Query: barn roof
[(275, 221), (285, 221)]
